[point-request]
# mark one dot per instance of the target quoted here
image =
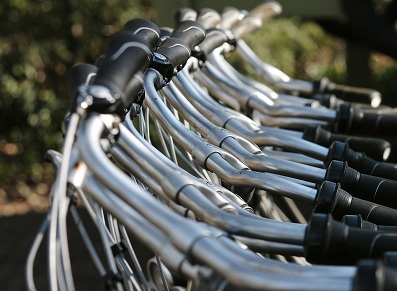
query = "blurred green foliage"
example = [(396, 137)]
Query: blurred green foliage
[(385, 76), (40, 40), (300, 49)]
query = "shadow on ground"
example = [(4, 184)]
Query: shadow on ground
[(17, 234)]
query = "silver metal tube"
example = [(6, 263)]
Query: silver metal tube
[(199, 249), (281, 99), (270, 73), (263, 163), (134, 169), (293, 111), (242, 93), (170, 179), (264, 181), (295, 85), (305, 271), (239, 203), (269, 247), (244, 126), (119, 183), (294, 123), (151, 236), (295, 157), (263, 138), (249, 225), (242, 275), (226, 165), (186, 233), (219, 61), (239, 147), (182, 237), (251, 98), (132, 143), (187, 139), (194, 190)]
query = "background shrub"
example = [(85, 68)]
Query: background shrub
[(39, 41)]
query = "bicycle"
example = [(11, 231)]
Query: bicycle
[(212, 222)]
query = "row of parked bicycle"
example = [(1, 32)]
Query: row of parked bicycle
[(231, 183)]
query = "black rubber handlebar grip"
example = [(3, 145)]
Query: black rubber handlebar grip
[(355, 94), (332, 199), (229, 16), (75, 77), (375, 275), (359, 222), (184, 14), (266, 10), (376, 148), (190, 33), (246, 26), (366, 187), (347, 93), (208, 18), (328, 100), (173, 53), (147, 30), (355, 220), (374, 124), (215, 38), (126, 56), (360, 162), (255, 18), (332, 242)]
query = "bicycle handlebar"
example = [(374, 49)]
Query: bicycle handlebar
[(242, 24), (367, 187), (184, 14), (77, 75), (116, 72), (266, 10), (359, 161), (173, 53), (208, 18), (214, 38), (229, 16), (359, 222), (191, 33), (347, 93), (374, 275), (217, 159), (332, 242), (144, 29), (247, 25), (376, 148), (364, 122), (333, 199)]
